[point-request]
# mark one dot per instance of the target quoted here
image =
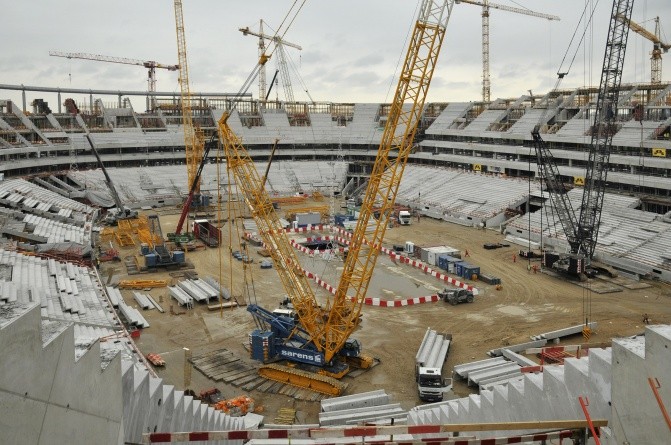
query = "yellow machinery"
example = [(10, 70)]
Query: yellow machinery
[(194, 142), (657, 48), (326, 331)]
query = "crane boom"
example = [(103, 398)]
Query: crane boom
[(124, 60), (510, 9), (193, 137), (256, 197), (604, 127), (397, 138)]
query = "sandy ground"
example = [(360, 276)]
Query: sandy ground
[(528, 304)]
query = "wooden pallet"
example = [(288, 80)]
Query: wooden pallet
[(225, 366), (285, 416)]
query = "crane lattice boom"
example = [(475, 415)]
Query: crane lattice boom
[(193, 137), (397, 138), (603, 128), (582, 232)]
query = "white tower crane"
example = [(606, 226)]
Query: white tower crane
[(282, 61), (150, 64), (485, 35)]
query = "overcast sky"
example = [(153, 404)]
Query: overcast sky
[(351, 48)]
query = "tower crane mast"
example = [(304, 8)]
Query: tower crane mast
[(325, 333), (658, 46), (194, 142), (486, 4)]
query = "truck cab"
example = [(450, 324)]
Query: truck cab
[(431, 385), (404, 218)]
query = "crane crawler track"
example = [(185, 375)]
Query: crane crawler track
[(303, 379)]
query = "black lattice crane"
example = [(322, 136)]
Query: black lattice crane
[(582, 231)]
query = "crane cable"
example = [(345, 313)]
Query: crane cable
[(586, 297)]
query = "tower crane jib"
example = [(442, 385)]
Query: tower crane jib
[(658, 47), (149, 64)]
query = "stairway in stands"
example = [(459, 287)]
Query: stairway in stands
[(615, 381), (48, 396)]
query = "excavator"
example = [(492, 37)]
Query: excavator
[(317, 349)]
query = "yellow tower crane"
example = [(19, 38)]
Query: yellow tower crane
[(323, 334), (657, 46), (194, 142), (486, 84)]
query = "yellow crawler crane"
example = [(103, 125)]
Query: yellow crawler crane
[(194, 141), (320, 343)]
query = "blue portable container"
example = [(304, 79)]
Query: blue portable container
[(150, 260), (178, 256), (459, 268), (471, 271), (442, 261)]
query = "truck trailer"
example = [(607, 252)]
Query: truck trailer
[(429, 361)]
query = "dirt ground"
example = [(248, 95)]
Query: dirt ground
[(528, 304)]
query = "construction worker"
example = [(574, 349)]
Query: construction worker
[(466, 253), (514, 258), (535, 268), (646, 319)]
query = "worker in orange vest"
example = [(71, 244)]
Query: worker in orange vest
[(514, 258)]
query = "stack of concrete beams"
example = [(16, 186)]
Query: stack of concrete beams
[(183, 299), (501, 370), (194, 291), (556, 335), (142, 299), (372, 407), (132, 315), (433, 350), (208, 289), (225, 294)]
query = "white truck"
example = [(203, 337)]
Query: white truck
[(429, 362), (404, 218)]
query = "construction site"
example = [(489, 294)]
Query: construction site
[(225, 268)]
